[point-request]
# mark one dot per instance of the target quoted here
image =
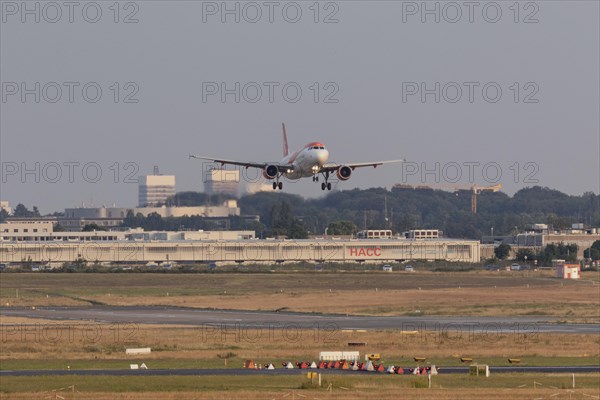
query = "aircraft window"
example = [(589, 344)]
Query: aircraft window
[(322, 148)]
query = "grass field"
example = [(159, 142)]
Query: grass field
[(98, 346), (478, 293), (505, 386), (38, 344)]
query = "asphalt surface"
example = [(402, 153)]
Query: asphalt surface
[(278, 371), (237, 319)]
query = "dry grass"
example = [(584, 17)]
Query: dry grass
[(95, 344), (573, 303), (465, 294), (33, 343), (407, 393), (384, 387)]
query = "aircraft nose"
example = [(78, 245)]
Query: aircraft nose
[(323, 155)]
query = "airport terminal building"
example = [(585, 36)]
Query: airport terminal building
[(139, 247)]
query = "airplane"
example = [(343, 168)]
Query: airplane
[(310, 160)]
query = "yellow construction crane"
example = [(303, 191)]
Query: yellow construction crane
[(474, 189)]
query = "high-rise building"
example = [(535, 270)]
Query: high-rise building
[(155, 189), (225, 181)]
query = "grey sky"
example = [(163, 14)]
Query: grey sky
[(368, 61)]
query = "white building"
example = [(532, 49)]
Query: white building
[(138, 234), (226, 181), (226, 247), (226, 209), (155, 189), (5, 206), (568, 271), (260, 186), (537, 236), (43, 231), (111, 217), (374, 234), (423, 234)]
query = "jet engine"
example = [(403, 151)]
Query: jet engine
[(343, 173), (270, 171)]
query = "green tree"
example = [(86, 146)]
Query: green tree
[(154, 222), (197, 199), (559, 251), (502, 251), (133, 221), (297, 231), (341, 228), (21, 211), (92, 228), (58, 228), (281, 219), (3, 215), (593, 252), (283, 222), (525, 255)]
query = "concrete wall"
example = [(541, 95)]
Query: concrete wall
[(583, 241)]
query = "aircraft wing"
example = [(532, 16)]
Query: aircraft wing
[(331, 167), (247, 164)]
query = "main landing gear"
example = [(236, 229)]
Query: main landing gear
[(277, 185), (324, 185)]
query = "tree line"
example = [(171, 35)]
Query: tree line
[(399, 209), (402, 209)]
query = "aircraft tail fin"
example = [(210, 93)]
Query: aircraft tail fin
[(285, 142)]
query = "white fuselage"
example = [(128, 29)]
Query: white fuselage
[(307, 161)]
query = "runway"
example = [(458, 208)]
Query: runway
[(279, 371), (238, 319)]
